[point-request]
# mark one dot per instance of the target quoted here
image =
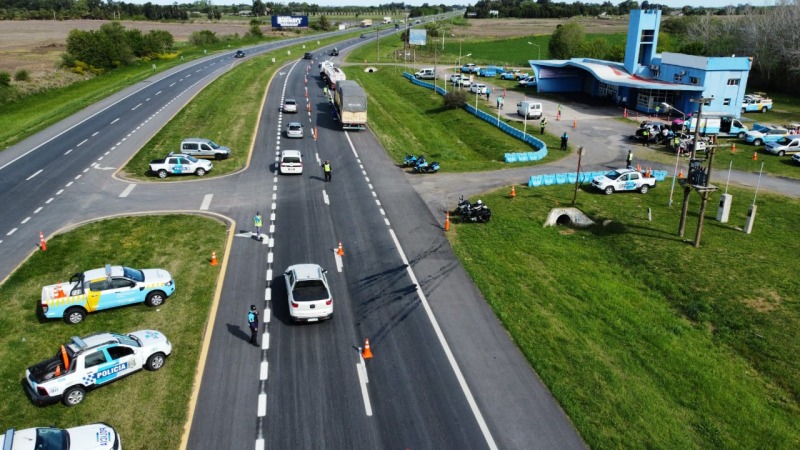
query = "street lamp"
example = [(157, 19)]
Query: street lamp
[(539, 50), (667, 107), (458, 64)]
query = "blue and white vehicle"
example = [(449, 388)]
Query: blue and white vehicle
[(514, 74), (180, 164), (623, 180), (719, 124), (470, 68), (97, 436), (490, 71), (106, 288), (93, 361), (761, 134), (757, 102)]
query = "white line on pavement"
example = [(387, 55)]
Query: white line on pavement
[(38, 209), (262, 405), (264, 370), (259, 444), (82, 142), (325, 197), (95, 133), (67, 152), (364, 392), (26, 220), (206, 202), (134, 108), (31, 177), (128, 190), (269, 274), (49, 200), (11, 232), (114, 121)]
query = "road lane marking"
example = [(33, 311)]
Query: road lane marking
[(95, 133), (206, 202), (38, 209), (49, 200), (267, 316), (85, 170), (127, 190), (270, 257), (134, 108), (268, 294), (173, 84), (158, 92), (259, 442), (265, 341), (68, 185), (264, 370), (82, 142), (114, 121), (67, 152), (26, 220), (78, 177), (339, 265), (11, 232), (269, 274), (364, 393), (325, 197), (31, 177)]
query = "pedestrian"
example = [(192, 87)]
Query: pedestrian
[(564, 139), (646, 136), (676, 143), (498, 102), (325, 90), (252, 322), (558, 113), (542, 124), (258, 224), (502, 102), (326, 168), (488, 92), (629, 159)]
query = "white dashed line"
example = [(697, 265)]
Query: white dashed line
[(31, 177), (127, 190), (85, 170), (95, 133), (270, 257), (364, 393), (78, 177), (325, 197), (114, 121), (267, 294), (26, 220), (134, 108), (265, 341), (11, 232), (206, 202), (68, 185), (38, 209), (51, 198), (262, 405), (67, 152), (264, 370), (173, 84), (269, 274), (82, 142)]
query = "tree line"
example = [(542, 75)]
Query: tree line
[(546, 9)]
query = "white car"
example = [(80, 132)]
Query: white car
[(180, 164), (294, 130), (97, 436), (623, 180), (291, 162), (308, 293), (93, 361), (290, 105), (478, 88)]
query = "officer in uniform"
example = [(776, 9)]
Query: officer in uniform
[(258, 224), (252, 322), (542, 124), (326, 167)]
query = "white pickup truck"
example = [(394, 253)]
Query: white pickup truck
[(624, 180), (180, 164), (94, 361)]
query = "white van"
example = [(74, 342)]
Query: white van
[(426, 74), (530, 110)]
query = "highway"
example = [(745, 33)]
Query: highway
[(445, 373)]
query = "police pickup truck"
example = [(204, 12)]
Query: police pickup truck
[(93, 361), (106, 288), (97, 436), (623, 180), (180, 164)]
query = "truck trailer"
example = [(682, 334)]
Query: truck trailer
[(351, 105)]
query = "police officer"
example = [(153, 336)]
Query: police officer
[(326, 168), (629, 159), (542, 124), (564, 140), (646, 136), (252, 322), (258, 224)]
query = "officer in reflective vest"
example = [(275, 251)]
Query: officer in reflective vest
[(326, 167), (258, 223)]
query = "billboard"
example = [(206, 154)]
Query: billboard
[(289, 21), (417, 37)]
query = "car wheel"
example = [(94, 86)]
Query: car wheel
[(219, 156), (764, 109), (74, 315), (73, 396), (200, 172), (155, 361), (781, 153), (740, 135), (608, 190), (744, 110), (644, 189), (162, 173), (758, 142), (155, 298)]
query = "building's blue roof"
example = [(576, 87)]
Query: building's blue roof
[(610, 72)]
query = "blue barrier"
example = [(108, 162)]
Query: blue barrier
[(660, 175), (561, 178), (535, 181), (510, 157), (548, 180), (522, 157), (572, 178)]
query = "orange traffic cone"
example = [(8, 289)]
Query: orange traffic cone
[(340, 251), (680, 174), (755, 158), (214, 259), (513, 192), (58, 371), (638, 168), (59, 291), (447, 221), (733, 149), (625, 112), (366, 353), (42, 243), (574, 123)]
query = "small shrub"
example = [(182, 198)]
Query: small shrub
[(203, 38), (455, 99), (22, 75), (5, 78), (255, 31)]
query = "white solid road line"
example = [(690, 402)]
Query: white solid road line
[(259, 444), (31, 177), (339, 265), (206, 202), (325, 197), (127, 190), (364, 393)]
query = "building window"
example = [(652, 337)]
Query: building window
[(726, 102), (648, 36), (733, 81), (678, 78), (694, 80)]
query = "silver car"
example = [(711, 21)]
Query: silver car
[(294, 130), (204, 148), (290, 105)]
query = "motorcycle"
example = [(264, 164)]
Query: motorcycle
[(469, 212), (423, 166), (410, 160)]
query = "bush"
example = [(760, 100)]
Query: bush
[(22, 75), (5, 78), (203, 38), (455, 99), (255, 31)]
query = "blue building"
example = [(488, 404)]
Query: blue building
[(646, 79)]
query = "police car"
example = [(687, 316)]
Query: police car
[(97, 436), (624, 180), (93, 361), (105, 288)]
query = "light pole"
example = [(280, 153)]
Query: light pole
[(539, 50), (667, 107), (458, 64)]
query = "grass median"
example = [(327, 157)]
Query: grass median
[(646, 341), (148, 409)]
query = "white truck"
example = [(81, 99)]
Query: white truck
[(331, 74), (93, 361), (180, 164), (351, 105), (624, 180), (96, 436), (366, 23)]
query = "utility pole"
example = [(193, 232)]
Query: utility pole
[(378, 51), (687, 185), (577, 176), (705, 193)]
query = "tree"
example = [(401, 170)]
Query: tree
[(566, 41), (259, 9), (324, 23)]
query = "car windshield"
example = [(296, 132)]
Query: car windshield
[(191, 158), (213, 145), (613, 175), (51, 439), (133, 274), (130, 341), (290, 102), (783, 141)]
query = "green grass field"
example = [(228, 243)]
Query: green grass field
[(149, 409), (646, 341)]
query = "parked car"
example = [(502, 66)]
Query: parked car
[(180, 164), (623, 180), (469, 68), (86, 363), (514, 74), (294, 130), (784, 145), (527, 81), (204, 148), (308, 293), (97, 436), (239, 54), (291, 161), (490, 71), (764, 133), (478, 88), (796, 158), (290, 105)]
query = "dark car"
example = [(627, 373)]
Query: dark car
[(335, 52), (239, 54), (308, 55)]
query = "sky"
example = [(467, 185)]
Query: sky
[(670, 3)]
